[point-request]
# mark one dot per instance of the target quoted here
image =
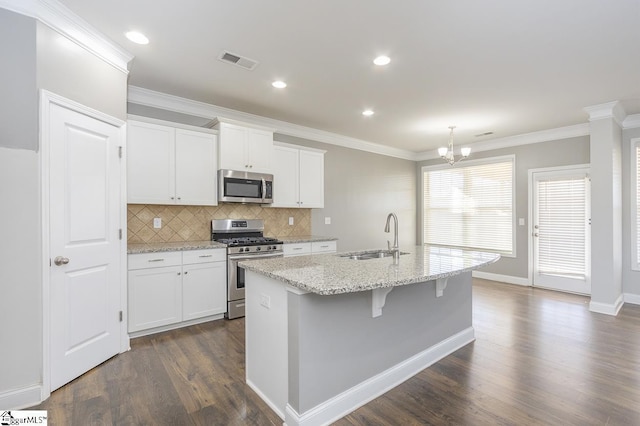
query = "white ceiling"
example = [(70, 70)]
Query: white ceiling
[(502, 66)]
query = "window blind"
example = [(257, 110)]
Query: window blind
[(562, 226), (470, 206)]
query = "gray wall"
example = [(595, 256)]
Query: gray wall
[(46, 61), (18, 94), (361, 189), (630, 278), (533, 156)]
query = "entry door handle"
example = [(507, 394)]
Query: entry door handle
[(59, 260)]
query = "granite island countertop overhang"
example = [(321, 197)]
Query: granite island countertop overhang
[(328, 274)]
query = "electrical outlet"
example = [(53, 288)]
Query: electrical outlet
[(265, 301), (157, 222), (327, 221), (290, 220)]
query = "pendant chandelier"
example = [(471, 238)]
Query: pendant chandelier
[(446, 153)]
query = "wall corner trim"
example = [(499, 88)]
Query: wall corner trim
[(63, 20), (634, 299), (21, 398), (607, 308)]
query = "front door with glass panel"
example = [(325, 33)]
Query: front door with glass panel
[(561, 230)]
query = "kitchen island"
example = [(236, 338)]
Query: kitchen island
[(327, 333)]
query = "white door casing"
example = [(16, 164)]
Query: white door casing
[(560, 229), (82, 220)]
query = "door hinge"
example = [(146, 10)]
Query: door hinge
[(119, 152), (120, 316), (120, 233)]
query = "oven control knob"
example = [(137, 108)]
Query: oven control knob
[(240, 249), (257, 248)]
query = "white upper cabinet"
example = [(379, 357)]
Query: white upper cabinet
[(168, 165), (245, 148), (298, 177)]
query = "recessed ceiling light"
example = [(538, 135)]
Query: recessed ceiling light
[(367, 113), (382, 60), (279, 84), (137, 37)]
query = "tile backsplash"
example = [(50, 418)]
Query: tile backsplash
[(193, 223)]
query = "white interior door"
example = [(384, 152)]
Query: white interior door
[(561, 230), (84, 243)]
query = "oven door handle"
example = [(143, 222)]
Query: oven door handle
[(254, 256), (264, 189)]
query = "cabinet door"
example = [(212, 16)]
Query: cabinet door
[(233, 147), (155, 297), (296, 249), (150, 164), (204, 290), (311, 179), (285, 177), (196, 168), (260, 151)]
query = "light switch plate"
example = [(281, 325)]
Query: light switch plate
[(157, 222), (521, 221), (290, 220), (265, 301), (327, 221)]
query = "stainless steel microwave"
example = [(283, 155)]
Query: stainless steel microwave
[(244, 187)]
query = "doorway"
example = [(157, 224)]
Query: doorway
[(560, 228), (83, 239)]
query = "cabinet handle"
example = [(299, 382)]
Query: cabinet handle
[(246, 166), (186, 272), (324, 246), (172, 198), (155, 260), (179, 198), (178, 273), (297, 248), (206, 255)]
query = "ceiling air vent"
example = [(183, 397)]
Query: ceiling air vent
[(232, 58)]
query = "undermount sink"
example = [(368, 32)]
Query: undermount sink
[(375, 254)]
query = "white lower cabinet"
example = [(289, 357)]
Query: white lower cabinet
[(168, 288), (315, 247)]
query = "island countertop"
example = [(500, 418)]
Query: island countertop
[(328, 274)]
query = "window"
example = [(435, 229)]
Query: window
[(635, 203), (470, 205)]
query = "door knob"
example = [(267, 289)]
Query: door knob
[(59, 260), (535, 234)]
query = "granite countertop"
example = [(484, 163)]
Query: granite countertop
[(160, 247), (327, 274), (304, 239)]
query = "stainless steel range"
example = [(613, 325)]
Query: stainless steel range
[(245, 240)]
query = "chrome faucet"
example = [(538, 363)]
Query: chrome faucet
[(395, 250)]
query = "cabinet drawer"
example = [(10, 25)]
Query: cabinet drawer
[(154, 260), (296, 249), (190, 257), (323, 246)]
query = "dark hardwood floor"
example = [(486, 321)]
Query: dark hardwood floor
[(540, 357)]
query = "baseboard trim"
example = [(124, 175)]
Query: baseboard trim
[(160, 329), (501, 278), (267, 401), (18, 399), (634, 299), (606, 308), (348, 401)]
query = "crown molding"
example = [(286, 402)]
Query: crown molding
[(519, 140), (607, 110), (631, 121), (63, 20), (150, 98)]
